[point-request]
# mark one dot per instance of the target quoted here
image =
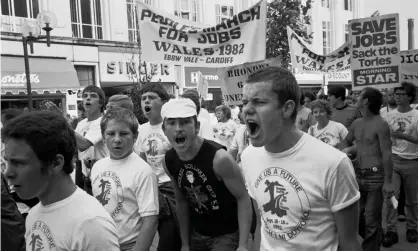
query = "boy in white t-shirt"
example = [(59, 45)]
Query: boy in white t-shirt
[(225, 129), (152, 144), (125, 184), (305, 191), (39, 152)]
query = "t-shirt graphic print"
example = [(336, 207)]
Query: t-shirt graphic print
[(111, 195), (40, 238)]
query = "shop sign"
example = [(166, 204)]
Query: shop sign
[(191, 75), (18, 80)]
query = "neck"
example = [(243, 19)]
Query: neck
[(366, 114), (322, 124), (193, 150), (286, 140), (156, 121), (392, 106), (339, 104), (94, 115), (404, 108), (58, 189)]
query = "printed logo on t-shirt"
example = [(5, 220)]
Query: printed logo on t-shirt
[(156, 146), (284, 204), (111, 193), (202, 197), (224, 133), (40, 238), (402, 125)]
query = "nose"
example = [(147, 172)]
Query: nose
[(117, 137), (178, 126), (247, 109), (9, 174)]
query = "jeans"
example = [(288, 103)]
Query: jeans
[(405, 171), (168, 228), (371, 203), (226, 242)]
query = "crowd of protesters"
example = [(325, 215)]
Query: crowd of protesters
[(289, 169)]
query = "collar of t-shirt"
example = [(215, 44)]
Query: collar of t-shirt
[(290, 151), (343, 107), (120, 162), (59, 204), (156, 126)]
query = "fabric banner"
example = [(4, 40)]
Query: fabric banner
[(375, 52), (235, 76), (202, 86), (172, 40), (409, 60), (307, 61)]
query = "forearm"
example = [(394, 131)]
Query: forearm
[(82, 143), (353, 245), (410, 138), (257, 238), (146, 233), (184, 221), (244, 220), (388, 167)]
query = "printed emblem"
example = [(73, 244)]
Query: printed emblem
[(109, 192), (284, 207), (156, 145), (40, 238)]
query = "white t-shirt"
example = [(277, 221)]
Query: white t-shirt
[(91, 131), (240, 141), (203, 113), (302, 117), (153, 142), (385, 110), (225, 132), (297, 192), (332, 134), (206, 129), (76, 223), (406, 123), (128, 190)]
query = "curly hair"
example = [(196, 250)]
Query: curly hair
[(323, 105), (225, 110)]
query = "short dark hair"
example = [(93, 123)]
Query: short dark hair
[(374, 99), (100, 92), (10, 113), (47, 133), (193, 97), (338, 91), (283, 83), (156, 88), (409, 89), (310, 95), (225, 110)]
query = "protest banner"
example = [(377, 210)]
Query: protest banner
[(172, 40), (235, 76), (409, 68), (375, 52), (307, 61), (202, 86)]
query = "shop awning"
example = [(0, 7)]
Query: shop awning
[(47, 75)]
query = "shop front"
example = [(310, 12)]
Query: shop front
[(310, 82), (121, 70), (340, 78), (53, 79)]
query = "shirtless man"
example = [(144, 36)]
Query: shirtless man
[(374, 171)]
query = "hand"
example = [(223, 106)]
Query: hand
[(185, 248), (242, 249), (388, 189), (52, 107)]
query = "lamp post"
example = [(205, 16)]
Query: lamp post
[(31, 32)]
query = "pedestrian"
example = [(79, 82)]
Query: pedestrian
[(39, 152), (390, 103), (374, 170), (214, 209), (305, 190), (125, 184), (309, 98), (304, 117), (152, 145), (403, 123), (225, 129), (342, 112)]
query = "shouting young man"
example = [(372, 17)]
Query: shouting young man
[(374, 170), (305, 190), (213, 206)]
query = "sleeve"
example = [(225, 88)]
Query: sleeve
[(310, 131), (138, 148), (247, 178), (96, 234), (342, 188), (94, 135), (147, 193), (234, 143), (342, 131)]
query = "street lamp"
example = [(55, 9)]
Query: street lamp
[(31, 32)]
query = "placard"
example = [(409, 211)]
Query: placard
[(173, 40), (409, 70)]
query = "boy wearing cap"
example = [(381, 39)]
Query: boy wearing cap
[(212, 203), (152, 145)]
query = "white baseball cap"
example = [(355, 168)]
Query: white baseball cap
[(178, 108)]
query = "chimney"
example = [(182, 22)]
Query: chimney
[(410, 34)]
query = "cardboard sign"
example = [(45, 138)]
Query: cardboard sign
[(409, 60), (307, 61), (173, 40), (235, 77), (375, 52)]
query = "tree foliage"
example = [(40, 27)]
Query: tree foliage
[(280, 14)]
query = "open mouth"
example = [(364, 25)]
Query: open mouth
[(147, 109), (253, 127), (180, 140), (87, 104)]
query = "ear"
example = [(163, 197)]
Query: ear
[(288, 108), (198, 127), (135, 136), (57, 164)]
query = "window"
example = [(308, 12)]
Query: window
[(223, 13), (325, 3), (348, 5), (347, 33), (326, 37), (85, 74), (133, 25), (20, 8), (86, 18), (186, 9)]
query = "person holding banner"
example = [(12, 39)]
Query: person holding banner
[(403, 123), (374, 170), (306, 200)]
